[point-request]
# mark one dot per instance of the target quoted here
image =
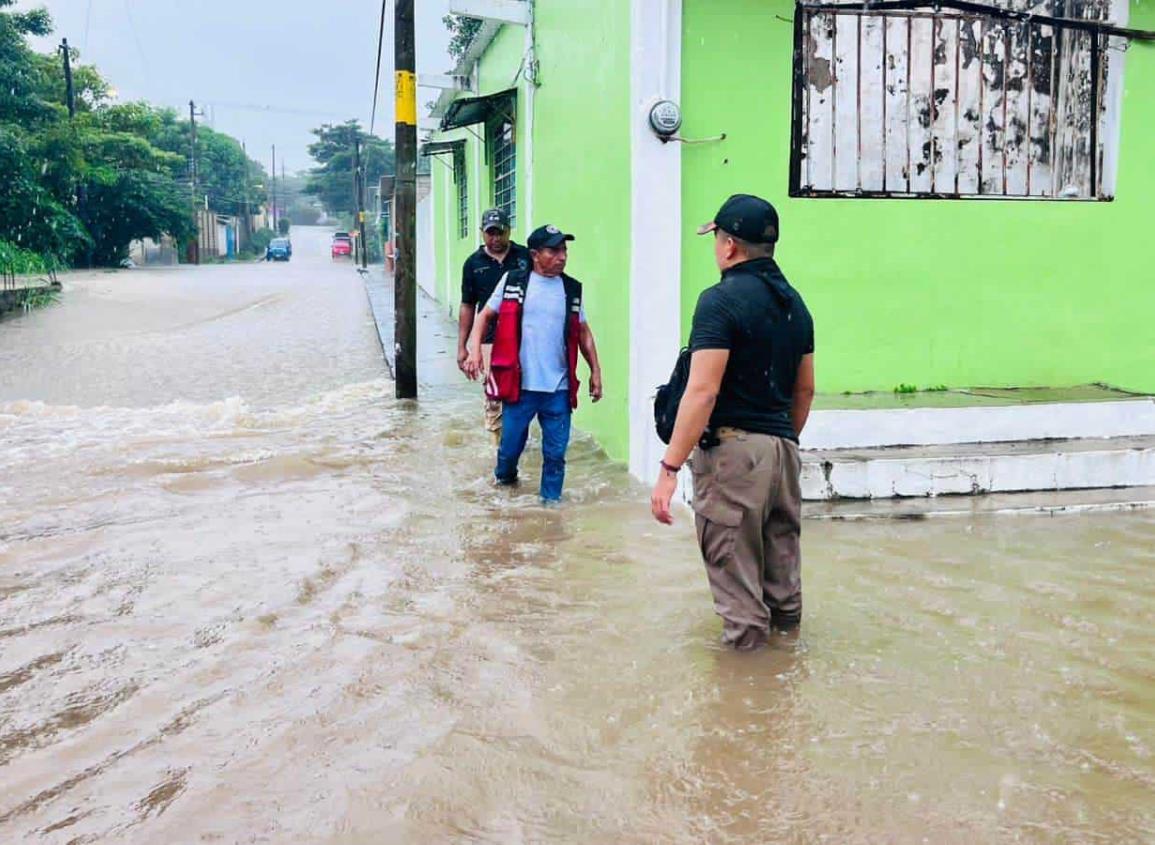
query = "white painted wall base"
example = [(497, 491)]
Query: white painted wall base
[(994, 468), (987, 424)]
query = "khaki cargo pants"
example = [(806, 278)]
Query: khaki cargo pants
[(748, 507), (492, 406)]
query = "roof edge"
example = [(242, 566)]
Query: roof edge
[(477, 48)]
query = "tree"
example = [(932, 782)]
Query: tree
[(133, 205), (462, 31), (332, 182), (112, 174)]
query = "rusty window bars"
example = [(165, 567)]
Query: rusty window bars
[(952, 100)]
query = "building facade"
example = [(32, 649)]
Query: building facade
[(964, 190)]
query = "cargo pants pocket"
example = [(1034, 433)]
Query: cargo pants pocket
[(718, 518)]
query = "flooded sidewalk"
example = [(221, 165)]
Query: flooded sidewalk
[(245, 596)]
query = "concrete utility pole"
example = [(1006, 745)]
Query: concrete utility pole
[(67, 54), (248, 209), (273, 202), (192, 169), (359, 200), (284, 190), (405, 205), (70, 92)]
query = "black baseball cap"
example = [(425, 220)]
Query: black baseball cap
[(746, 217), (495, 218), (547, 237)]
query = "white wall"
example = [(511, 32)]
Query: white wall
[(656, 212)]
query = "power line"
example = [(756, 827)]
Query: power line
[(225, 104), (377, 76), (136, 39), (87, 23)]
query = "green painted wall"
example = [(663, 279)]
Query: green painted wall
[(924, 292), (582, 180), (581, 154)]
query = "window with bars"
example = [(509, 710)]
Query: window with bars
[(901, 99), (461, 179), (503, 159)]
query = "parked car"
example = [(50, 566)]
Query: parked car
[(279, 249), (342, 245)]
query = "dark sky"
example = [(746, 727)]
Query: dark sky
[(265, 71)]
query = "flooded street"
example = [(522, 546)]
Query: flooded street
[(245, 596)]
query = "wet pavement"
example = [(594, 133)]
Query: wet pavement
[(246, 596)]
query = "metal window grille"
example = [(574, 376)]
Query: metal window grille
[(898, 99), (503, 156), (461, 179)]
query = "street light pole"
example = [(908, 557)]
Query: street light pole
[(248, 209), (274, 200), (405, 206), (359, 200), (192, 117)]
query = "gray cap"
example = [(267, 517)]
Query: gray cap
[(495, 218)]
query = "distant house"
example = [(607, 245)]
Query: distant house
[(966, 191)]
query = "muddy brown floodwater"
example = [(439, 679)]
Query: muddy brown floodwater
[(245, 596)]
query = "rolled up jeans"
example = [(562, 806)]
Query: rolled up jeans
[(553, 413)]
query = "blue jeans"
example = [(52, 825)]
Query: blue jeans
[(553, 413)]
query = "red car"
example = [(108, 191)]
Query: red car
[(342, 245)]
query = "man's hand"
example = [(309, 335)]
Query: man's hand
[(663, 494), (596, 385), (462, 357), (472, 367)]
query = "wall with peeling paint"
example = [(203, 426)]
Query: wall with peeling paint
[(925, 292)]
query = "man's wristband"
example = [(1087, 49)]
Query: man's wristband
[(672, 470)]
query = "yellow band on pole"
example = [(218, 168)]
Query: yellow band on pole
[(406, 97)]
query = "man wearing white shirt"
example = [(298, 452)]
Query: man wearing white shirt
[(541, 327)]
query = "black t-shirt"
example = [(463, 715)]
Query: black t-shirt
[(481, 273), (755, 313)]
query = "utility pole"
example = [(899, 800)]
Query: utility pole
[(359, 199), (405, 206), (248, 209), (70, 92), (284, 189), (274, 201), (67, 54), (192, 118)]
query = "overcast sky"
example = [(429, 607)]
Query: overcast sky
[(265, 71)]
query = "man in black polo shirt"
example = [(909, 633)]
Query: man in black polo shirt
[(479, 276), (747, 399)]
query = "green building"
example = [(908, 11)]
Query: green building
[(965, 191)]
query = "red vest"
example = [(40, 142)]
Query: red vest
[(504, 380)]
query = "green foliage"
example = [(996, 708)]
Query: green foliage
[(462, 31), (41, 298), (13, 259), (906, 388), (261, 239), (132, 205), (86, 187), (283, 226), (332, 181)]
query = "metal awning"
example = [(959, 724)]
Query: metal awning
[(434, 148), (470, 110)]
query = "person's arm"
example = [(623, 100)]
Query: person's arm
[(465, 316), (707, 366), (803, 393), (465, 321), (589, 350), (473, 359)]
